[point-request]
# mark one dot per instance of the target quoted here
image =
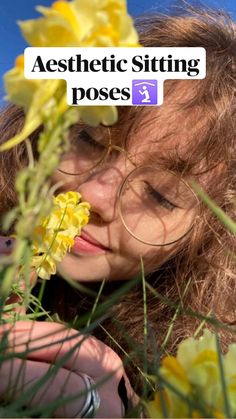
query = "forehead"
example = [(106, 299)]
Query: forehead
[(169, 134)]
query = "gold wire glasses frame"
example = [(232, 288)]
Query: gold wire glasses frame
[(156, 207)]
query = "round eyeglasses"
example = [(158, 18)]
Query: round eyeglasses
[(156, 206)]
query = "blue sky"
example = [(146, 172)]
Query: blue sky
[(12, 44)]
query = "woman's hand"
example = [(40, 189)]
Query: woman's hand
[(39, 346), (45, 344)]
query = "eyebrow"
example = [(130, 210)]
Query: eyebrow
[(173, 162), (180, 165)]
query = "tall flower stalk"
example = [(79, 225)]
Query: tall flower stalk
[(66, 23), (35, 194)]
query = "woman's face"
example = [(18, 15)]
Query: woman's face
[(155, 205)]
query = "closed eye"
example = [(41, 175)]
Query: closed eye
[(90, 141), (159, 198)]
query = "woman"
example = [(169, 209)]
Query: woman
[(136, 176)]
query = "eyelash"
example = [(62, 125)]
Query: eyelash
[(160, 198), (84, 136)]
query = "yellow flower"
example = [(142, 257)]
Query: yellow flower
[(81, 23), (199, 358), (230, 373), (195, 374), (34, 96), (44, 266), (166, 402), (173, 373), (55, 236), (78, 23), (15, 79)]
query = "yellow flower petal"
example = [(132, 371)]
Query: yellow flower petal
[(32, 95), (107, 115), (67, 199), (19, 63), (172, 371), (44, 266), (154, 407), (20, 90), (65, 9)]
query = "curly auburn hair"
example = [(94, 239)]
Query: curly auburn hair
[(205, 262)]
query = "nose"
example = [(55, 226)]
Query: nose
[(100, 189)]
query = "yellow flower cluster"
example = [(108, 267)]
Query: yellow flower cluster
[(76, 23), (194, 374), (97, 23), (55, 236)]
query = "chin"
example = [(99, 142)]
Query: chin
[(92, 268), (84, 268)]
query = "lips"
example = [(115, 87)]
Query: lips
[(87, 244)]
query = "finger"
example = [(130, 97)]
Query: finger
[(17, 376), (111, 405), (65, 387), (49, 341), (92, 358)]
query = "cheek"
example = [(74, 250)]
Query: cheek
[(153, 256), (65, 182)]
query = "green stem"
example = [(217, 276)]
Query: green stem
[(223, 217)]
